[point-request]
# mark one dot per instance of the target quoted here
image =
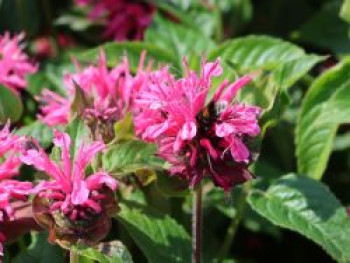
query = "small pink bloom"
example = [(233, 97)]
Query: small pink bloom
[(196, 137), (14, 63), (69, 190), (125, 19), (108, 94), (10, 189)]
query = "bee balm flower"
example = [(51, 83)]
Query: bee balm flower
[(10, 189), (125, 19), (198, 138), (73, 206), (14, 63), (105, 97)]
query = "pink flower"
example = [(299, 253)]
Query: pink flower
[(72, 205), (10, 189), (125, 19), (196, 137), (14, 63), (107, 96), (70, 191)]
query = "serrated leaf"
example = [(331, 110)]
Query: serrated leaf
[(325, 106), (309, 208), (130, 156), (11, 107), (79, 134), (40, 251), (106, 252), (159, 236), (39, 131), (279, 64), (180, 40), (116, 51)]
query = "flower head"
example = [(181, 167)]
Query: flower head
[(101, 96), (125, 19), (10, 189), (70, 198), (14, 63), (196, 137)]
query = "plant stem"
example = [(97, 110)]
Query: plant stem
[(73, 256), (197, 225), (232, 229)]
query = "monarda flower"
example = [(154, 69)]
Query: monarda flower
[(10, 189), (125, 19), (74, 207), (14, 63), (99, 95), (198, 138)]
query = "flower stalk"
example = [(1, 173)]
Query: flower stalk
[(73, 256), (197, 225)]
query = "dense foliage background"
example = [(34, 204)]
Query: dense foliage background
[(295, 209)]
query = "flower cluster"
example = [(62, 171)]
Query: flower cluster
[(72, 205), (125, 19), (10, 189), (14, 63), (105, 97), (196, 137)]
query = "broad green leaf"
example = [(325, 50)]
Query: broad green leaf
[(325, 106), (277, 65), (309, 208), (345, 11), (180, 40), (40, 251), (159, 236), (130, 156), (106, 252), (116, 51), (11, 107), (39, 131)]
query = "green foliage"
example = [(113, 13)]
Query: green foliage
[(345, 11), (106, 252), (130, 156), (39, 131), (159, 237), (279, 64), (10, 105), (116, 51), (308, 207), (325, 106), (40, 251)]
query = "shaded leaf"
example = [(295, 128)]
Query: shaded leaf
[(308, 207), (40, 251), (325, 106), (39, 131), (159, 236), (10, 105)]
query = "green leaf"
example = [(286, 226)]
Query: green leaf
[(39, 131), (10, 105), (325, 106), (40, 251), (107, 252), (309, 208), (180, 40), (130, 156), (345, 11), (116, 51), (279, 64), (79, 133), (159, 236)]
